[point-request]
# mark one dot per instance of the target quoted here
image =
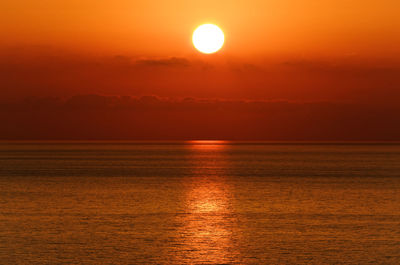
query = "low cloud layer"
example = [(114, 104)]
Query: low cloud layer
[(98, 117)]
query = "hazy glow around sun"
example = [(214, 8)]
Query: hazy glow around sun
[(208, 38)]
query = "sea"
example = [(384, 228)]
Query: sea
[(199, 202)]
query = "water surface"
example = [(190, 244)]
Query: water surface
[(199, 203)]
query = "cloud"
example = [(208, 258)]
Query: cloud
[(157, 118), (51, 73), (169, 62)]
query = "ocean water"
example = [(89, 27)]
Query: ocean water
[(199, 202)]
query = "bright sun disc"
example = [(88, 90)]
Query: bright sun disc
[(208, 38)]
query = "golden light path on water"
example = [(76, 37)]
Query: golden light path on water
[(207, 226)]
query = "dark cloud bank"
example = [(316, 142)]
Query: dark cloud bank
[(97, 117)]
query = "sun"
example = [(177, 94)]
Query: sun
[(208, 38)]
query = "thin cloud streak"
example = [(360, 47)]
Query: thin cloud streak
[(35, 72)]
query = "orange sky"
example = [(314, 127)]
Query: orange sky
[(336, 52), (164, 27)]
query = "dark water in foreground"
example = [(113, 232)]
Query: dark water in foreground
[(199, 203)]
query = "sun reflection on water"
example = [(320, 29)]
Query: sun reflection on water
[(208, 222)]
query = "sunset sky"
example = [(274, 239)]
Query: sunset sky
[(339, 58)]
